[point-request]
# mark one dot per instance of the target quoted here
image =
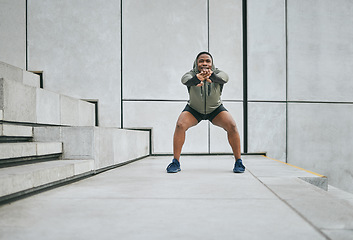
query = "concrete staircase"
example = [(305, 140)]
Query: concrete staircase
[(27, 166), (47, 138)]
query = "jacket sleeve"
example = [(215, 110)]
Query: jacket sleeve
[(190, 79), (219, 76)]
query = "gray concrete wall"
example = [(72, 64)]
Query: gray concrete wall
[(267, 77), (159, 47), (302, 112), (13, 32), (267, 128), (320, 70), (320, 139), (77, 46), (320, 50), (266, 50)]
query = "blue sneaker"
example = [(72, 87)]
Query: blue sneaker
[(174, 167), (238, 166)]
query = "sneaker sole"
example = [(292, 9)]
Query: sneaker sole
[(238, 171), (174, 171)]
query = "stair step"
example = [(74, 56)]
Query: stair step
[(16, 180), (19, 75), (28, 149), (12, 132), (26, 104)]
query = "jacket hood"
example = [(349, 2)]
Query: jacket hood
[(195, 68)]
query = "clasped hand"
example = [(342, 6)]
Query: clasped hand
[(204, 75)]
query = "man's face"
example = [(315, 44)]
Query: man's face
[(204, 62)]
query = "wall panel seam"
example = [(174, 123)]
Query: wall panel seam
[(245, 77), (286, 74), (178, 100), (121, 67), (26, 19), (208, 49), (300, 102)]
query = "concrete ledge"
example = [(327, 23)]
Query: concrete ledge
[(18, 102), (107, 146), (86, 113), (31, 79), (28, 149), (49, 148), (11, 130), (10, 72), (13, 73), (21, 103), (69, 111), (20, 178), (81, 166), (47, 107), (16, 150)]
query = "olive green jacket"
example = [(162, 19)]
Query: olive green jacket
[(207, 98)]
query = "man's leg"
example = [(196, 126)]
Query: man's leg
[(225, 121), (185, 121)]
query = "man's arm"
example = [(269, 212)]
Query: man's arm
[(219, 77), (189, 79)]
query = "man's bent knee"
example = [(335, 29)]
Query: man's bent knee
[(185, 121), (231, 127), (181, 125)]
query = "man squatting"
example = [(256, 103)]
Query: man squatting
[(205, 83)]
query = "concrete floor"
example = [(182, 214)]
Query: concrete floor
[(206, 200)]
